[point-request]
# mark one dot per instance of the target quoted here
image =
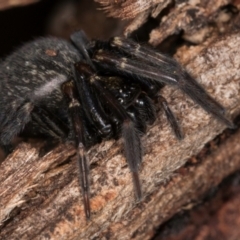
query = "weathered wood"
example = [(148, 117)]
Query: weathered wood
[(40, 199)]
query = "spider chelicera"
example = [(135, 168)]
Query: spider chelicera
[(86, 91)]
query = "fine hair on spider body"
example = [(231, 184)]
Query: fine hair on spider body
[(86, 91)]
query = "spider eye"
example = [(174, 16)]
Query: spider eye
[(126, 94), (140, 102), (120, 100)]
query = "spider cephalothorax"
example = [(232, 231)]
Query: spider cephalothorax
[(87, 91)]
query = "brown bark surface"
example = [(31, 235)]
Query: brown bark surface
[(40, 198), (5, 4), (217, 216)]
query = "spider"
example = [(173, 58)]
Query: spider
[(85, 91)]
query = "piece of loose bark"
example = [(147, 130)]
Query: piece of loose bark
[(5, 4), (194, 19), (128, 8), (40, 199)]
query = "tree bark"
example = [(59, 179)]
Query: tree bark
[(40, 197), (5, 4)]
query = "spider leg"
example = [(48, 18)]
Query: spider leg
[(140, 123), (49, 123), (76, 114), (131, 138), (146, 54), (92, 107), (127, 66), (130, 134), (146, 108), (186, 83), (38, 128), (168, 72), (171, 118), (14, 123), (27, 111), (38, 123), (200, 96), (80, 40)]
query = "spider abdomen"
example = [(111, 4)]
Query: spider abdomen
[(37, 70)]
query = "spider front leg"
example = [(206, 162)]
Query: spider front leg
[(131, 138), (76, 116), (146, 64), (91, 106), (80, 40), (130, 135)]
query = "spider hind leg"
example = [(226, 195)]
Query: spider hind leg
[(14, 123)]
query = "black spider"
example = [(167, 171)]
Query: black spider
[(86, 91)]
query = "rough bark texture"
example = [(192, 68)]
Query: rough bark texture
[(217, 216), (40, 199), (195, 19)]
